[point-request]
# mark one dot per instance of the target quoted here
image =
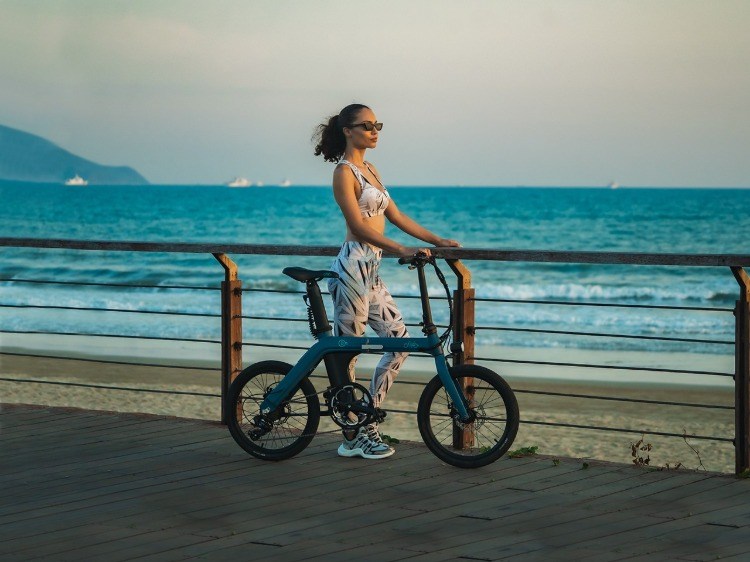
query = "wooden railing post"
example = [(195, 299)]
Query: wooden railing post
[(463, 333), (742, 373), (231, 329)]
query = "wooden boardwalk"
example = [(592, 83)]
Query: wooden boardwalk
[(84, 485)]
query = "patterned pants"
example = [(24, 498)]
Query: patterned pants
[(361, 298)]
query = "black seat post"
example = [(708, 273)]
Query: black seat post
[(337, 365), (318, 309)]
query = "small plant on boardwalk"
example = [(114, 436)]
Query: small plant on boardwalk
[(640, 452), (389, 440), (556, 462), (523, 452), (744, 474), (696, 451)]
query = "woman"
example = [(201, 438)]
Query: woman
[(359, 296)]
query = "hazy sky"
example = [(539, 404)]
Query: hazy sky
[(649, 93)]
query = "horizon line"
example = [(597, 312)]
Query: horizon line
[(393, 185)]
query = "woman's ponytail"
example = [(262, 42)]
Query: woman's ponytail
[(331, 142)]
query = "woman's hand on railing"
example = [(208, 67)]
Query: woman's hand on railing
[(447, 243), (409, 252)]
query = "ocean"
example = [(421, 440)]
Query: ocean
[(583, 219)]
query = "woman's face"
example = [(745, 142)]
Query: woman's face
[(357, 135)]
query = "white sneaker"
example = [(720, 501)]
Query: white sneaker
[(366, 444)]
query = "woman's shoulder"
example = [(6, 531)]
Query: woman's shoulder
[(343, 165), (343, 174)]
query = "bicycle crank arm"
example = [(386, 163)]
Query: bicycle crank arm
[(376, 414)]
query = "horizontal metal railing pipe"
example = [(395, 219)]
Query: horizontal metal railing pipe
[(604, 366), (111, 387), (110, 361), (603, 304), (599, 334), (124, 310), (100, 284), (95, 335), (484, 254)]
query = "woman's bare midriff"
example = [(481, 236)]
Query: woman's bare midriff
[(377, 223)]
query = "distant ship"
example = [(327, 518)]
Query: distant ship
[(285, 183), (76, 180), (613, 185), (239, 182), (259, 183)]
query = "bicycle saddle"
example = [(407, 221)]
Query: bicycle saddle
[(303, 275)]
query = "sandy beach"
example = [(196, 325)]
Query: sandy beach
[(526, 380)]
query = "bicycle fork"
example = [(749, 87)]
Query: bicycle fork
[(457, 397)]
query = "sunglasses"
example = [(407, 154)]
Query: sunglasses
[(367, 125)]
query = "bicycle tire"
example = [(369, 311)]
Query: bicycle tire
[(494, 428), (296, 420)]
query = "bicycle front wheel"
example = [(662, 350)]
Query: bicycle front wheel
[(294, 422), (494, 418)]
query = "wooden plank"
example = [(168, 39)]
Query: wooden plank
[(637, 542), (121, 462), (50, 543), (733, 515), (703, 501), (175, 472), (325, 548), (118, 544), (92, 463), (72, 487), (120, 491), (614, 490), (678, 491), (705, 542), (541, 475), (735, 548), (565, 527)]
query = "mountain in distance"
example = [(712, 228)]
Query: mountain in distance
[(30, 158)]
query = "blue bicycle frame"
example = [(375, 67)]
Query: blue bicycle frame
[(329, 346)]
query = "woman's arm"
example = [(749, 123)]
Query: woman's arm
[(409, 225), (344, 191)]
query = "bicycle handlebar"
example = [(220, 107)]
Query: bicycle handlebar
[(419, 257)]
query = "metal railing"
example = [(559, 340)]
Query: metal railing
[(464, 328)]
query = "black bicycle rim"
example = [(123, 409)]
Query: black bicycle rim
[(487, 437), (293, 424)]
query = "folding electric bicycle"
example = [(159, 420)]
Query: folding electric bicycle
[(467, 414)]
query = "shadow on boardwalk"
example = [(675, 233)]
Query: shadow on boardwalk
[(80, 485)]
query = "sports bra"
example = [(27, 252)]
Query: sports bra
[(372, 201)]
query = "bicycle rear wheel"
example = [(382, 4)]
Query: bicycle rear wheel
[(294, 422), (494, 423)]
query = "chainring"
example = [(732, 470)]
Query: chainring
[(351, 406)]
